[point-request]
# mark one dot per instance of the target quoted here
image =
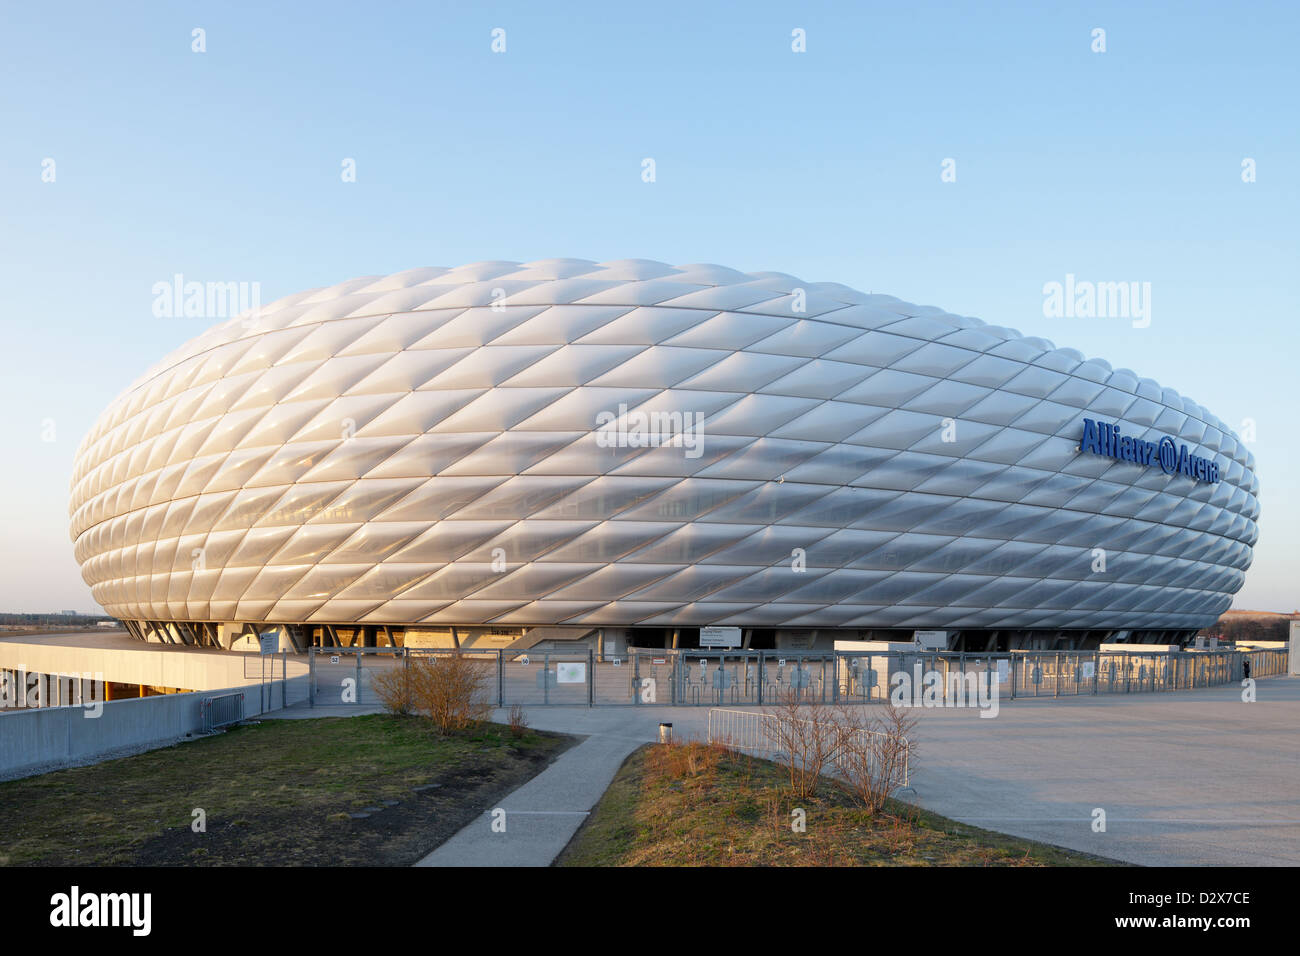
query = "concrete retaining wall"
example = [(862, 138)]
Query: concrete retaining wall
[(37, 740), (125, 660)]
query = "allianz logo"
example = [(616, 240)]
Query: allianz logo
[(1105, 438)]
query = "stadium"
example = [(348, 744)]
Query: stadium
[(563, 452)]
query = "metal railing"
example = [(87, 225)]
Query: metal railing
[(739, 678), (763, 735), (1071, 673), (221, 711)]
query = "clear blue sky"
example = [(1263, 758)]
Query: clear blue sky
[(225, 166)]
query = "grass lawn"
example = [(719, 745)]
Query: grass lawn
[(734, 810), (277, 793)]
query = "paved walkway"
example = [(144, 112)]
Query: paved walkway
[(307, 712), (541, 816)]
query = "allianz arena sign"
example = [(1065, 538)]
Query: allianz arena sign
[(1104, 438)]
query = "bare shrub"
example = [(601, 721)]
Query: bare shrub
[(668, 760), (823, 850), (518, 721), (452, 689), (392, 685), (809, 737), (901, 835), (703, 758), (684, 760), (876, 754), (776, 816)]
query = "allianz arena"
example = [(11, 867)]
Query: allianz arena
[(514, 453)]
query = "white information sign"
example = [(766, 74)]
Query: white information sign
[(570, 672), (931, 640), (720, 637)]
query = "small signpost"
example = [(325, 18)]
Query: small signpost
[(268, 643)]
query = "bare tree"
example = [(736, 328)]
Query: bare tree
[(807, 738), (876, 753)]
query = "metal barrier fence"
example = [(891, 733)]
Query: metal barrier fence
[(221, 710), (1071, 673), (763, 735), (722, 678), (1267, 663)]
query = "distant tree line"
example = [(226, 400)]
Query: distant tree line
[(1240, 628), (51, 620)]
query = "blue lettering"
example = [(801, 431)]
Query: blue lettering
[(1089, 441), (1104, 438)]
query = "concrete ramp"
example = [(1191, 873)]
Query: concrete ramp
[(536, 635)]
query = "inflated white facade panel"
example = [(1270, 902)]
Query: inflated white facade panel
[(443, 446)]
